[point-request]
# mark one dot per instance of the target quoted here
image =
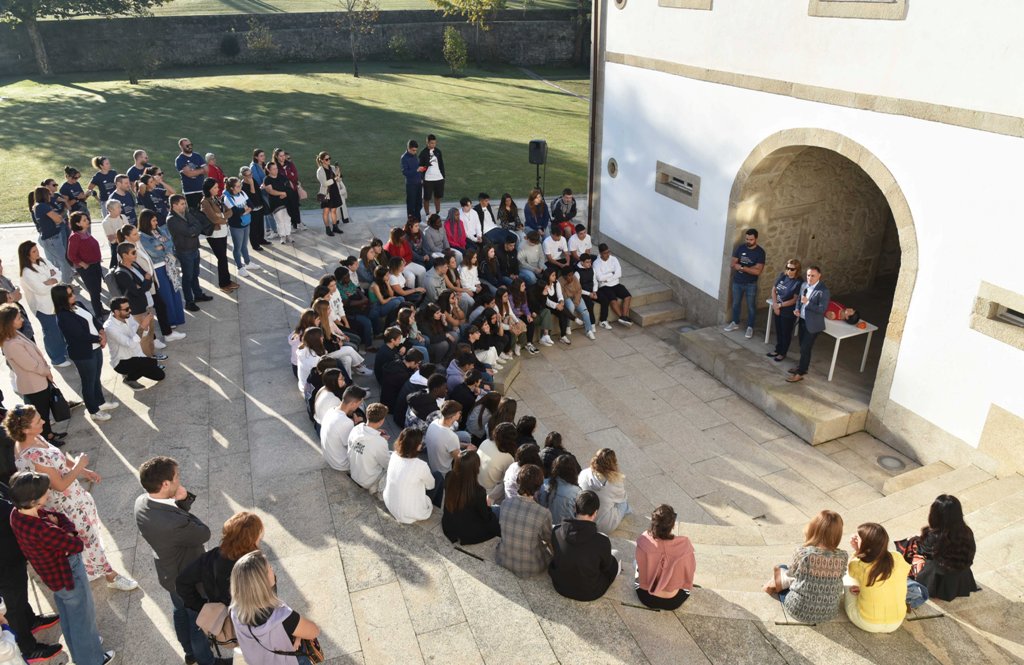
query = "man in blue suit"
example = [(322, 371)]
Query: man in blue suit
[(810, 311)]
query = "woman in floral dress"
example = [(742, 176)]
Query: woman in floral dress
[(67, 495)]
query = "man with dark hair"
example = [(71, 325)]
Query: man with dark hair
[(432, 168), (391, 348), (810, 312), (746, 265), (580, 243), (492, 232), (607, 273), (413, 179), (368, 453), (425, 402), (14, 579), (136, 286), (556, 251), (531, 258), (396, 373), (176, 537), (192, 168), (525, 545), (416, 383), (124, 344), (122, 194), (337, 425), (508, 259), (563, 211), (467, 392), (433, 281), (441, 441), (51, 544), (185, 228), (584, 565)]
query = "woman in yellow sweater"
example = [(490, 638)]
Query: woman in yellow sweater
[(876, 587)]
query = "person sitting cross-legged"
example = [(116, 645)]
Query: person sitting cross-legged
[(665, 563), (525, 546), (468, 517), (584, 563), (124, 344), (368, 453)]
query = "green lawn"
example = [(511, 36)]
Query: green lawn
[(483, 122), (187, 7)]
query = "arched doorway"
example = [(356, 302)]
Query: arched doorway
[(754, 202)]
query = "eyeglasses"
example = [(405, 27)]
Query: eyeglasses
[(159, 173), (788, 268)]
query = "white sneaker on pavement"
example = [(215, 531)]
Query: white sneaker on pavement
[(122, 583), (578, 321), (546, 340), (749, 333), (174, 336), (605, 325), (66, 363), (242, 272), (158, 344), (591, 335), (99, 416), (564, 339), (109, 406), (732, 326)]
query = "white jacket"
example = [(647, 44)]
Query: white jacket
[(33, 283), (607, 273)]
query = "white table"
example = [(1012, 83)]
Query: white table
[(840, 330)]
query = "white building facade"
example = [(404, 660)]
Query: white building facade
[(700, 106)]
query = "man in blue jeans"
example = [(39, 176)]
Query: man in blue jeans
[(51, 544), (747, 263), (177, 537), (185, 228)]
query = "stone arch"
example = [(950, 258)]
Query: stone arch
[(747, 206)]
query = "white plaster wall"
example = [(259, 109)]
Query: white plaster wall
[(962, 53), (962, 186)]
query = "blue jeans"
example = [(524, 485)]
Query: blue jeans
[(424, 351), (528, 276), (56, 250), (78, 616), (53, 338), (379, 312), (917, 594), (360, 325), (437, 493), (191, 639), (738, 292), (580, 311), (190, 289), (89, 372), (240, 244)]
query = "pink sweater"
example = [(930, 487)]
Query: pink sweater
[(665, 566)]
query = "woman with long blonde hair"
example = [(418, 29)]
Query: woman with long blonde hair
[(604, 478), (268, 631)]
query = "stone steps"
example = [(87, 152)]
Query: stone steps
[(915, 476), (659, 312), (503, 379)]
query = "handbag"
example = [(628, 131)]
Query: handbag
[(309, 648), (60, 410), (215, 622)]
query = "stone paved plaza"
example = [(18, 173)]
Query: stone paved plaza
[(381, 592)]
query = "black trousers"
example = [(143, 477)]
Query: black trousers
[(41, 400), (161, 315), (563, 319), (220, 250), (194, 200), (20, 616), (92, 277), (292, 204), (806, 344), (606, 294), (413, 199), (257, 231), (136, 368), (784, 323), (660, 603)]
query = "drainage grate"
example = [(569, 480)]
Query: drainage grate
[(890, 463)]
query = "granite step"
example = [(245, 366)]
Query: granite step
[(915, 476), (503, 379), (654, 313)]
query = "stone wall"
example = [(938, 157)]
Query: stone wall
[(542, 37), (824, 209)]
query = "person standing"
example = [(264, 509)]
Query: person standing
[(33, 378), (86, 339), (432, 168), (785, 292), (50, 543), (185, 228), (37, 277), (102, 182), (213, 207), (123, 342), (84, 253), (329, 177), (140, 164), (122, 194), (192, 168), (214, 171), (278, 190), (257, 208), (51, 227), (177, 538), (413, 179), (747, 262), (239, 221), (810, 312), (72, 190), (294, 189), (584, 564), (156, 242)]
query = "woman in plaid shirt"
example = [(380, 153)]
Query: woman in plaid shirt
[(50, 543)]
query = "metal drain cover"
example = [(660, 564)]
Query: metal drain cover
[(890, 463)]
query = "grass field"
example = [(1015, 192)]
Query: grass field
[(483, 122), (189, 7)]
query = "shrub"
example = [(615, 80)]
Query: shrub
[(229, 45), (398, 47), (260, 41), (454, 50)]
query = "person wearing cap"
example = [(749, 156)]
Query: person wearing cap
[(608, 272)]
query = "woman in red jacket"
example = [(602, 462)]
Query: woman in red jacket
[(84, 255), (398, 245)]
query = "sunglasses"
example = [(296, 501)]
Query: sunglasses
[(788, 268), (159, 173)]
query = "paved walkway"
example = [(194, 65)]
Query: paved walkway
[(386, 593)]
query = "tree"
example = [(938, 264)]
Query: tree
[(360, 18), (260, 41), (30, 12), (581, 37), (477, 13), (454, 50)]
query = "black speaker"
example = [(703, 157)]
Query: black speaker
[(538, 151)]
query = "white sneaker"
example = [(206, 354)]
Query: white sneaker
[(749, 333), (578, 321), (157, 344), (546, 341), (270, 235), (732, 326), (108, 656), (504, 356), (66, 363), (362, 369), (242, 272), (99, 416), (284, 240), (516, 350), (174, 336), (109, 406), (564, 339), (122, 583), (533, 350), (605, 325), (591, 335)]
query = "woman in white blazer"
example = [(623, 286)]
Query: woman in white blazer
[(37, 277), (332, 193)]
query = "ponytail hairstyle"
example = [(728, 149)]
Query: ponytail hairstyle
[(874, 550), (663, 520), (97, 162)]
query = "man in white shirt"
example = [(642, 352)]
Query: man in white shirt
[(368, 452), (580, 243), (471, 224), (607, 273), (441, 441), (336, 427), (492, 232), (125, 345), (432, 168), (556, 251)]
